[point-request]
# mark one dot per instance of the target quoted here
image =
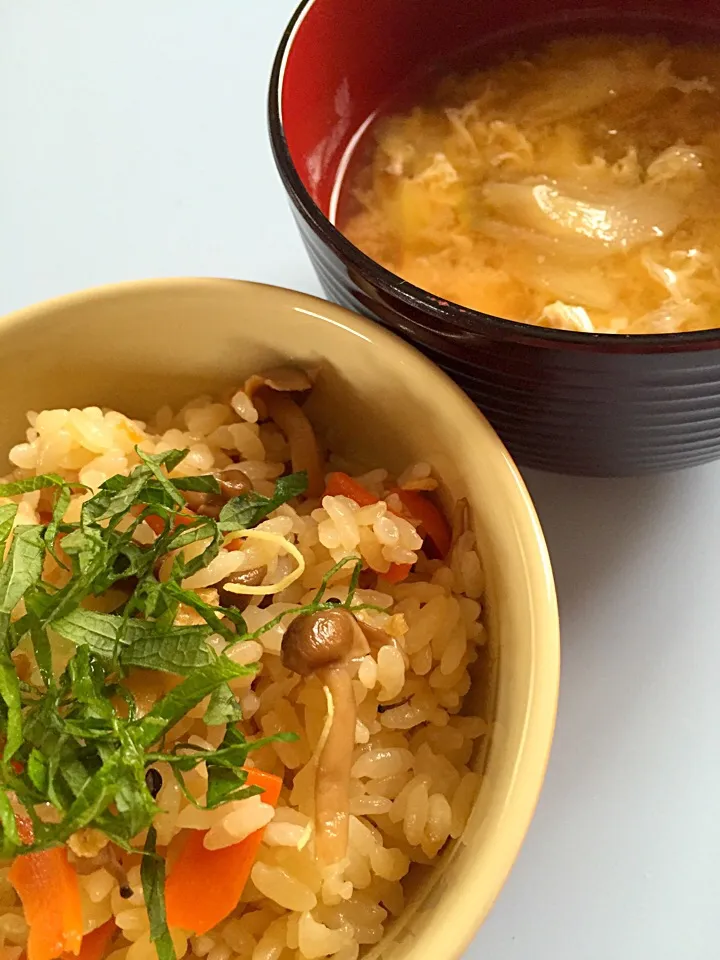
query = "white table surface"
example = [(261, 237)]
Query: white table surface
[(133, 144)]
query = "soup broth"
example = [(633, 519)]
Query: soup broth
[(576, 188)]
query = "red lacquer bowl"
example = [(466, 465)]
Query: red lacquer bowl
[(570, 402)]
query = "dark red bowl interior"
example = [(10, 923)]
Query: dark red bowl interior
[(363, 50), (342, 60)]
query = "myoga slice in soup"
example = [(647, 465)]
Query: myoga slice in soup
[(233, 677), (576, 188)]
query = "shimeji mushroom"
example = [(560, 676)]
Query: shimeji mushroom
[(324, 644), (274, 389), (232, 482), (252, 577)]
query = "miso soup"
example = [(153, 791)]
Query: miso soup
[(577, 188)]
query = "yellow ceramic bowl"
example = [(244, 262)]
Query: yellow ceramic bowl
[(137, 346)]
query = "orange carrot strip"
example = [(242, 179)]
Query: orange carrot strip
[(95, 943), (157, 524), (185, 518), (433, 524), (50, 893), (397, 572), (342, 485), (204, 886), (18, 767)]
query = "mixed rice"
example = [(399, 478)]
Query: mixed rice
[(411, 784)]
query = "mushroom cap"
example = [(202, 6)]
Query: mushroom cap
[(283, 379), (252, 577), (233, 482), (317, 640)]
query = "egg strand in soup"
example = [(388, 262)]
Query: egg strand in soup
[(577, 189)]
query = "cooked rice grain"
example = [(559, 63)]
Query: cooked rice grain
[(411, 786)]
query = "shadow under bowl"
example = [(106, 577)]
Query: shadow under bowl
[(595, 404)]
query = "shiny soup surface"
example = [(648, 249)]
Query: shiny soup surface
[(577, 187)]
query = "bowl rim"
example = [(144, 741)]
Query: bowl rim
[(471, 321), (469, 907)]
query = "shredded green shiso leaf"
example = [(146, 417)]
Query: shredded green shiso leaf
[(77, 741), (66, 743)]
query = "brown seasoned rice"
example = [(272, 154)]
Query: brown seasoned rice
[(412, 786)]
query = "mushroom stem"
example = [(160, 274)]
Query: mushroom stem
[(332, 777), (108, 859), (300, 435), (459, 520), (324, 643)]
